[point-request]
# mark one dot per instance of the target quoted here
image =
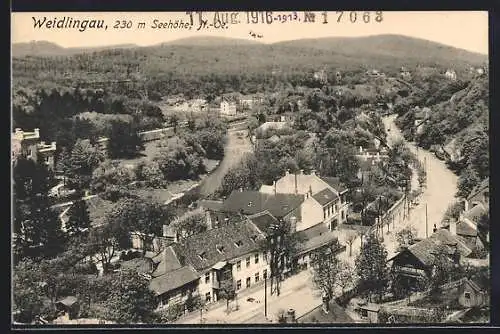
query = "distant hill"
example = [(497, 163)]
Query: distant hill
[(396, 46), (210, 41), (44, 48), (331, 50)]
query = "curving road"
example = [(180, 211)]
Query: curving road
[(440, 191)]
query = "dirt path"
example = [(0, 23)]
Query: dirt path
[(238, 144)]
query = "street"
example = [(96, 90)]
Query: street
[(437, 196)]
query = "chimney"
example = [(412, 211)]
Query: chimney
[(361, 149), (54, 145), (301, 172), (453, 226), (325, 303), (37, 132), (313, 172), (287, 172), (310, 190), (274, 187), (241, 190), (290, 316), (466, 205), (18, 130), (42, 143), (293, 224)]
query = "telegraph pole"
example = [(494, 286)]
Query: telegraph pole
[(426, 226), (265, 296)]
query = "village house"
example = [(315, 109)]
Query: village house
[(416, 261), (324, 198), (450, 74), (227, 108), (372, 153), (29, 146), (329, 312), (474, 291)]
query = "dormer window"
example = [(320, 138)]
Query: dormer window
[(202, 256), (254, 238), (238, 243), (220, 249)]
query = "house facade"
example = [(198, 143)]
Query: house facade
[(325, 198), (29, 146), (227, 108)]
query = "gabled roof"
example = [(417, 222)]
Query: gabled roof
[(484, 185), (325, 196), (252, 202), (263, 220), (173, 280), (335, 183), (465, 229), (335, 315), (168, 261), (475, 213), (314, 237), (236, 239), (423, 250)]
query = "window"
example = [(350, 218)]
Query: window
[(364, 313), (248, 261), (467, 295), (207, 278), (207, 297), (238, 284), (220, 249), (257, 258), (257, 278), (324, 213), (264, 273), (342, 215), (248, 282), (238, 265)]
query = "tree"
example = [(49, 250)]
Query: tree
[(467, 180), (483, 228), (151, 174), (326, 268), (442, 267), (178, 161), (141, 216), (280, 246), (227, 291), (105, 241), (79, 219), (406, 236), (349, 238), (346, 275), (371, 267), (84, 158), (124, 141), (243, 176), (191, 223), (130, 299), (108, 174)]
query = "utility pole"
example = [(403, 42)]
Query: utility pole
[(265, 296), (426, 227)]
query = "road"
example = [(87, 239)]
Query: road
[(237, 145), (438, 195), (296, 292)]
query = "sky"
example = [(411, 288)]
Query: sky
[(462, 29)]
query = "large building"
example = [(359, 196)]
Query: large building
[(324, 198), (28, 145)]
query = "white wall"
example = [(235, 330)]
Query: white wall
[(250, 271), (311, 213)]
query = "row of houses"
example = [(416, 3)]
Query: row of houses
[(229, 253)]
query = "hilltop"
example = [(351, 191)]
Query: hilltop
[(383, 50)]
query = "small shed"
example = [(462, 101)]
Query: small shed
[(69, 306), (369, 311)]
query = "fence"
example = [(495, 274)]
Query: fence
[(156, 134), (396, 211)]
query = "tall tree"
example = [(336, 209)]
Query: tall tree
[(124, 140), (326, 268), (141, 216), (84, 158), (371, 267), (79, 218), (280, 246)]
